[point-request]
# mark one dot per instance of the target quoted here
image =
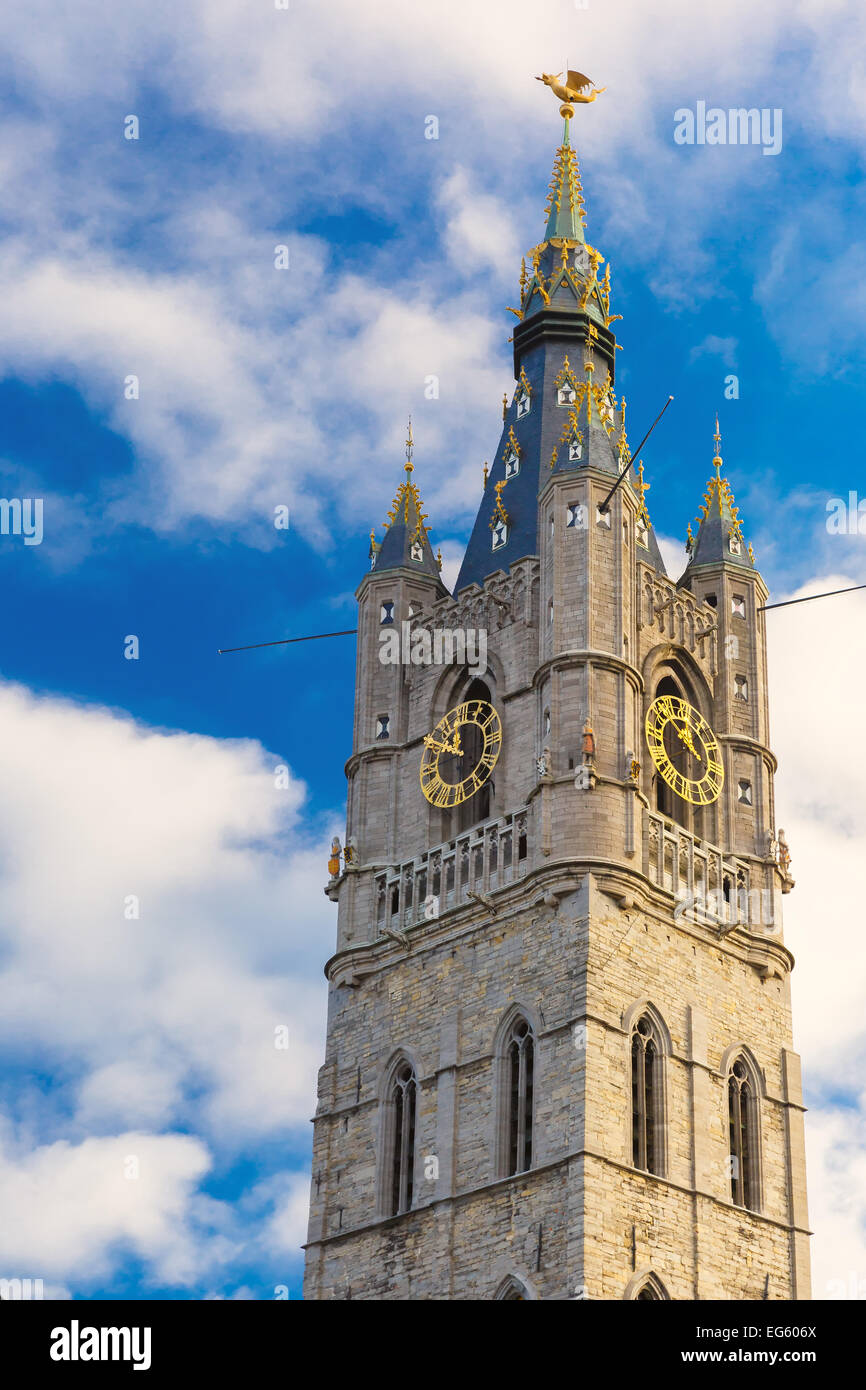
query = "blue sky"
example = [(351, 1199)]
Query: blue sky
[(153, 1037)]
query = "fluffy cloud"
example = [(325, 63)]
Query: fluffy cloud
[(260, 387), (820, 798), (163, 922), (67, 1208)]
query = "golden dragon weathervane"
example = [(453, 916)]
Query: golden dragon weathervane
[(573, 89)]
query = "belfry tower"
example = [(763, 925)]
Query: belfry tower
[(559, 1060)]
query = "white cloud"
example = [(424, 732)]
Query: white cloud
[(452, 559), (286, 1229), (836, 1168), (149, 1023), (479, 231), (674, 556), (258, 388), (821, 804), (67, 1208), (714, 346)]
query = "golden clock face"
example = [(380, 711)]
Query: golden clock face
[(461, 753), (684, 749)]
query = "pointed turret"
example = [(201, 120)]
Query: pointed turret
[(406, 543), (720, 531)]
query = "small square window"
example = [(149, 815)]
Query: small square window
[(642, 534), (575, 451), (576, 516), (566, 395), (512, 464), (603, 518), (735, 545), (499, 535), (382, 726), (416, 551), (523, 406), (711, 600), (386, 613), (738, 606), (741, 688), (744, 793)]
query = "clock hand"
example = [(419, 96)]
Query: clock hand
[(431, 742), (685, 737)]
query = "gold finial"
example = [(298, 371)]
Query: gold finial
[(591, 338), (439, 557), (690, 540), (504, 404), (485, 473), (410, 446), (523, 274), (717, 438), (499, 512), (572, 90)]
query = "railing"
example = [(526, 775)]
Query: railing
[(481, 860), (708, 887)]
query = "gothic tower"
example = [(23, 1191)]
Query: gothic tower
[(559, 1060)]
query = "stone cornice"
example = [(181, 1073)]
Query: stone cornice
[(742, 1213), (355, 963)]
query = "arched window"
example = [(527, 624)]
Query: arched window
[(647, 1288), (647, 1101), (400, 1138), (511, 1290), (743, 1135), (520, 1067), (649, 1045)]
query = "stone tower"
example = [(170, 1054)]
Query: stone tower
[(559, 1059)]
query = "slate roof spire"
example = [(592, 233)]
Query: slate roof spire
[(406, 543), (564, 416), (720, 529)]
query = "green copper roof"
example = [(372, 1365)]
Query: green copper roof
[(565, 199)]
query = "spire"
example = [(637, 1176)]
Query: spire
[(406, 543), (565, 206), (565, 271), (720, 529), (562, 416)]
